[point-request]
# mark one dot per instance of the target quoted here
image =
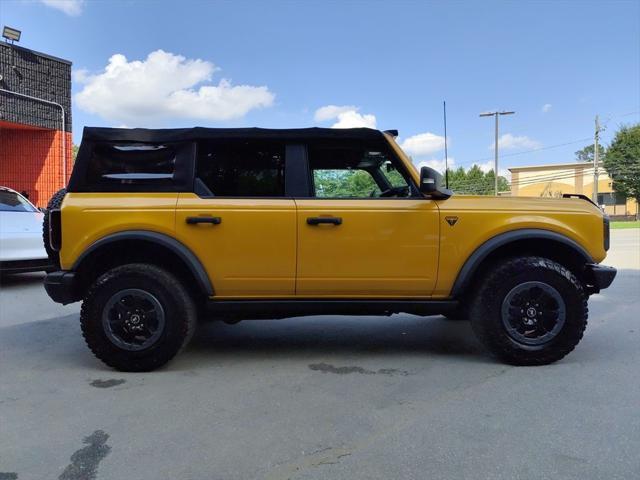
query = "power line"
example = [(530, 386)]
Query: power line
[(528, 151)]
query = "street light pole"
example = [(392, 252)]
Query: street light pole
[(496, 114)]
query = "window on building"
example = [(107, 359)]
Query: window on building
[(354, 171), (611, 198), (241, 168)]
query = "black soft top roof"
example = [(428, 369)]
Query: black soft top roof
[(202, 133)]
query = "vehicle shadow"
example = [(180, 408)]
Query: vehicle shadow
[(57, 343), (368, 336)]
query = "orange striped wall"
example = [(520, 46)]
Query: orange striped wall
[(31, 160)]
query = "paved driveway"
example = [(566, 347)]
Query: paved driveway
[(322, 397)]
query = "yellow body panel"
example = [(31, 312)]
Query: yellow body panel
[(253, 250), (384, 248), (482, 217), (88, 217)]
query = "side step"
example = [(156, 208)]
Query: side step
[(275, 309)]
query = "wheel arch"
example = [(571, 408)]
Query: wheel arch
[(529, 241), (140, 246)]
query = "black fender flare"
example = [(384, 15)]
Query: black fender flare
[(182, 252), (475, 259)]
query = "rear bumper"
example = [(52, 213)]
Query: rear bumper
[(600, 276), (61, 287)]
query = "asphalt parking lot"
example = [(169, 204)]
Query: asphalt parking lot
[(321, 397)]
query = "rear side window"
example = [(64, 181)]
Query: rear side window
[(241, 168), (132, 164)]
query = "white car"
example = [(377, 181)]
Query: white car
[(21, 245)]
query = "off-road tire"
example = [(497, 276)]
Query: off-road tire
[(54, 202), (180, 314), (486, 310)]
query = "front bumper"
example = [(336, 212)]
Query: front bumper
[(599, 277), (61, 287)]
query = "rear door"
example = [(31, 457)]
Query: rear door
[(365, 231), (238, 221)]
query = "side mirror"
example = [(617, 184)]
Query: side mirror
[(431, 184)]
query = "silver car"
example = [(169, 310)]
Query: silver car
[(21, 245)]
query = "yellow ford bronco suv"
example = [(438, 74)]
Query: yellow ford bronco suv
[(160, 228)]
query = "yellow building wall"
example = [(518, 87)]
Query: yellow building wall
[(554, 180)]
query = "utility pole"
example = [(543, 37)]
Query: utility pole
[(496, 114), (595, 161)]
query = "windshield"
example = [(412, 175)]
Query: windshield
[(12, 202)]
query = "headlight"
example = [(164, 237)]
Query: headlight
[(607, 235)]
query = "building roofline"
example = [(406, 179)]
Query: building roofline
[(552, 166), (35, 52)]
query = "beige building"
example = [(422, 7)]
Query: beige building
[(556, 179)]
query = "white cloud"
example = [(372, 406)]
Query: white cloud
[(436, 163), (162, 87), (508, 141), (546, 107), (329, 112), (347, 116), (422, 144), (72, 8)]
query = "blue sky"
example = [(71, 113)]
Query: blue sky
[(388, 62)]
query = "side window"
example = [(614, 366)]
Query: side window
[(241, 168), (345, 183), (355, 171), (132, 164)]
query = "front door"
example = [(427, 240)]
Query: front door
[(365, 231), (238, 221)]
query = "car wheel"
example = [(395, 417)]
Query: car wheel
[(529, 311), (137, 317), (54, 203)]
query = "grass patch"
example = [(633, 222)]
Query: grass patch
[(625, 224)]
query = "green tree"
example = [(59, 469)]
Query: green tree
[(475, 182), (586, 154), (622, 162), (75, 152), (457, 179)]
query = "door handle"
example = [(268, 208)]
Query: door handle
[(196, 220), (324, 220)]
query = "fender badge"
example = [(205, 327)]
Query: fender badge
[(451, 220)]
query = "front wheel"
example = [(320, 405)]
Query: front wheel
[(137, 317), (529, 311)]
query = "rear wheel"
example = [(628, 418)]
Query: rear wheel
[(529, 311), (137, 317)]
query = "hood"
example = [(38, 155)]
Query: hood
[(519, 204)]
